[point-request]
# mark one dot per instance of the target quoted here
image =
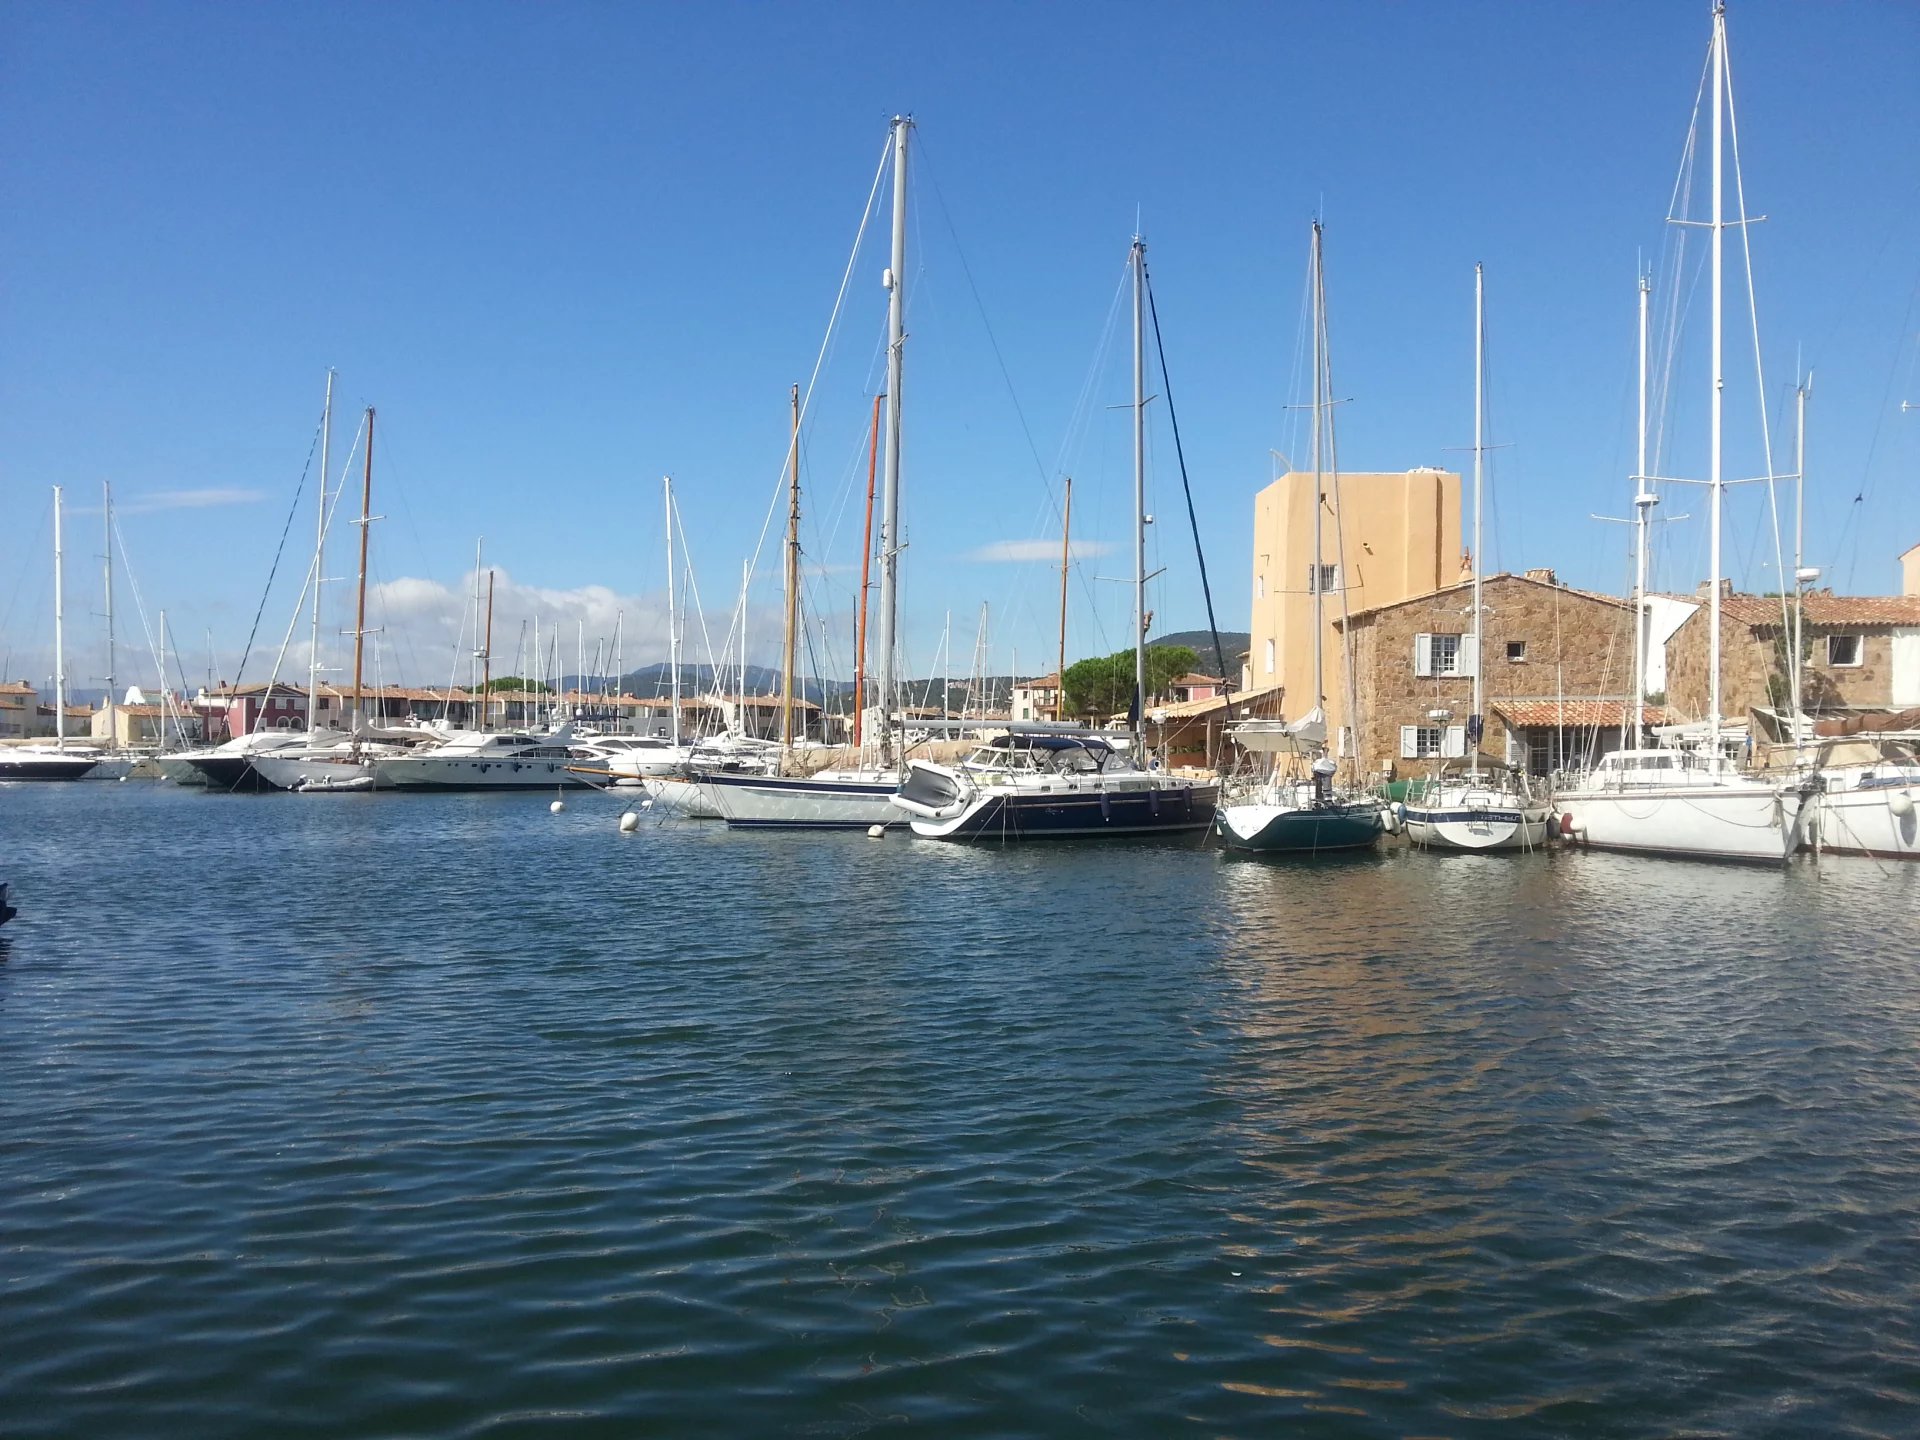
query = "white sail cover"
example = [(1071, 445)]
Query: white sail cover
[(1304, 736)]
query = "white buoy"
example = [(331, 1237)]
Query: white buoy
[(1900, 803), (629, 822), (557, 806), (874, 832)]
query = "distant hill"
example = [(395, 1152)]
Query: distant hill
[(1236, 644)]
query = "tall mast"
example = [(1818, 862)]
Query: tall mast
[(360, 604), (673, 613), (1319, 420), (1066, 553), (896, 282), (793, 576), (107, 487), (319, 554), (486, 658), (59, 631), (1474, 722), (1643, 502), (474, 664), (1138, 261), (1801, 576), (866, 567), (1714, 482)]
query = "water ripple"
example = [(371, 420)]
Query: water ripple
[(377, 1116)]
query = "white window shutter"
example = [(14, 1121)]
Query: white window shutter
[(1453, 745), (1423, 655), (1409, 742), (1469, 661)]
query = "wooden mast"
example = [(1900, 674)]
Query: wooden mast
[(1066, 554), (793, 575), (360, 605), (866, 569)]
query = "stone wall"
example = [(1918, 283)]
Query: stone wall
[(1750, 654), (1578, 645)]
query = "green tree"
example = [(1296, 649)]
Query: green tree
[(513, 682), (1102, 685)]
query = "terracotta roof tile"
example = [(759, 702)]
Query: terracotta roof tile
[(1575, 714)]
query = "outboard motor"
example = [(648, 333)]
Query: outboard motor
[(1323, 772)]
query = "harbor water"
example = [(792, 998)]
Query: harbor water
[(390, 1116)]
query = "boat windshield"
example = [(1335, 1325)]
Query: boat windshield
[(1050, 754)]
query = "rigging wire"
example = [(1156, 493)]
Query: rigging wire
[(1193, 519)]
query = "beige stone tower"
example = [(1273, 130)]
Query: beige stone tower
[(1401, 537)]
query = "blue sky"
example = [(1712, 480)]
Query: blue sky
[(566, 249)]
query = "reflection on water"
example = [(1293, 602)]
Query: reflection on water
[(381, 1115)]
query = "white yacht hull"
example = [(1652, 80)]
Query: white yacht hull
[(842, 801), (1746, 821), (1857, 815), (425, 772), (682, 796)]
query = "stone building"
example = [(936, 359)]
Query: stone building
[(1862, 652), (1557, 666)]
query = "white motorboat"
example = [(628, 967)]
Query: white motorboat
[(492, 760)]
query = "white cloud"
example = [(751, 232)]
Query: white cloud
[(1007, 551)]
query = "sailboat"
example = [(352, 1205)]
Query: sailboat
[(1284, 810), (347, 762), (856, 797), (1035, 782), (1486, 808), (55, 761), (1687, 799)]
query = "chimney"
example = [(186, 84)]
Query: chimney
[(1702, 591), (1542, 575)]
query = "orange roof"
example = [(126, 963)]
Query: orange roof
[(16, 687), (1048, 681), (1575, 714), (1824, 608), (1192, 680)]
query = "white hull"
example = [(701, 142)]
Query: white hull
[(1852, 818), (684, 797), (831, 801), (1475, 817), (1744, 821), (426, 772)]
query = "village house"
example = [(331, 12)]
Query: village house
[(1861, 653), (19, 703), (1037, 699), (1193, 733), (1556, 671), (137, 723)]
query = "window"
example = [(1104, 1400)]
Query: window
[(1329, 579), (1269, 657), (1516, 652), (1259, 587), (1843, 649), (1421, 742), (1441, 655)]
